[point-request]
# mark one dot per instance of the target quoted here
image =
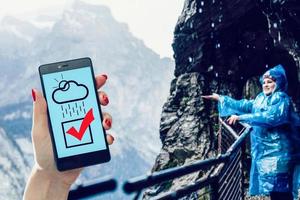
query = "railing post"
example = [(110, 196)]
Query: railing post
[(243, 160), (214, 195)]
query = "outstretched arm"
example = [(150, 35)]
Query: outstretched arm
[(276, 114), (229, 106)]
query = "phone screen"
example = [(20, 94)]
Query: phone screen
[(74, 112)]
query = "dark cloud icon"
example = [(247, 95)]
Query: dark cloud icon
[(69, 91)]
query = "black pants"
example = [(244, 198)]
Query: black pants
[(281, 196)]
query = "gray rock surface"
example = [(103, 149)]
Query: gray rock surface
[(221, 46)]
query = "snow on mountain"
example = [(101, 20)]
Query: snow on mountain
[(14, 169), (137, 86)]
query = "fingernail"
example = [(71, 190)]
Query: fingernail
[(105, 76), (108, 122), (112, 137), (105, 98), (33, 95)]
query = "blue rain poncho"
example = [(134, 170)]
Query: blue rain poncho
[(273, 136)]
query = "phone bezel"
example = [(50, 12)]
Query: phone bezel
[(85, 159)]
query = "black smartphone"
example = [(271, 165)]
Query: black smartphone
[(74, 113)]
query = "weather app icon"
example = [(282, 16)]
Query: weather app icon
[(69, 91), (70, 96)]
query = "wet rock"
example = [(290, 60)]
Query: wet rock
[(221, 46)]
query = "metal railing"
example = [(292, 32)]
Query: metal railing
[(94, 187), (226, 183)]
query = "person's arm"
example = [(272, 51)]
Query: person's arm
[(43, 185), (276, 114), (229, 106), (45, 181)]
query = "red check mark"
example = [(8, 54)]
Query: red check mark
[(89, 117)]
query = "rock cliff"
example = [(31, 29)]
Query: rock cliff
[(221, 46)]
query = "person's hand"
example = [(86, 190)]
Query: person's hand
[(214, 97), (44, 170), (232, 119)]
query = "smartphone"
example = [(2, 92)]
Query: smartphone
[(74, 113)]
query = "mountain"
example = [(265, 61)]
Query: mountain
[(138, 83), (13, 166)]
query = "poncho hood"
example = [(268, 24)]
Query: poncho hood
[(277, 73)]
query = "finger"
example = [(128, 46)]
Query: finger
[(40, 118), (229, 120), (107, 121), (103, 98), (110, 139), (100, 80), (233, 121)]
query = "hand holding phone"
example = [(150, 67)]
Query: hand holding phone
[(45, 170), (74, 114)]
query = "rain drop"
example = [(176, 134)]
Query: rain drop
[(212, 25), (218, 45), (248, 46), (210, 68), (230, 72), (200, 10), (217, 74), (190, 59), (275, 25), (220, 18), (267, 65), (202, 3)]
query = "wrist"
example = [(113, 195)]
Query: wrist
[(45, 185), (51, 176)]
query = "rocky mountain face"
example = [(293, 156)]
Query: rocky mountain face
[(221, 46)]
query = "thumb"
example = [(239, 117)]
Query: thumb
[(40, 118)]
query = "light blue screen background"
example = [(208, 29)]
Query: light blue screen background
[(92, 140)]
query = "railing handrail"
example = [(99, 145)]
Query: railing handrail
[(139, 183), (142, 182), (89, 188)]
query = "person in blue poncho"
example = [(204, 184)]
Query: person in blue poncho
[(273, 136)]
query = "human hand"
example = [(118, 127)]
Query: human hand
[(232, 119), (44, 169), (213, 96)]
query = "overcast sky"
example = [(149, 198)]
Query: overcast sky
[(153, 21)]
